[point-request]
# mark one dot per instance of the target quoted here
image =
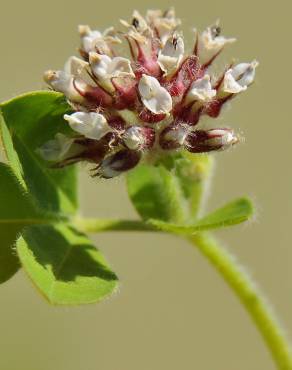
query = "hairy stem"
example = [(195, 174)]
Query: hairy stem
[(235, 276), (98, 225), (248, 293)]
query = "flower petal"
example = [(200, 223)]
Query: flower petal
[(63, 82), (92, 125), (238, 78), (106, 68), (171, 54), (201, 90), (210, 43), (155, 97), (88, 37)]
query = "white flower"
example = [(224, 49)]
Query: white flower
[(64, 83), (201, 90), (171, 54), (88, 37), (238, 78), (163, 23), (138, 23), (155, 97), (95, 40), (79, 69), (56, 149), (105, 67), (210, 43), (92, 125)]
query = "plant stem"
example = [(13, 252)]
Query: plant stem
[(235, 276), (92, 225), (250, 296)]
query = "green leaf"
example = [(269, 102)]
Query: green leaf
[(32, 119), (16, 212), (172, 190), (233, 213), (9, 150), (64, 265)]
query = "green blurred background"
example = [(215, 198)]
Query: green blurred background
[(172, 311)]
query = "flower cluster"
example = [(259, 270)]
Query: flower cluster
[(128, 109)]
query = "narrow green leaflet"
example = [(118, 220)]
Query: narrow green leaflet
[(64, 265), (32, 119), (233, 213), (172, 190), (16, 212)]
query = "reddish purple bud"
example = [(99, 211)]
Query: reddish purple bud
[(126, 92), (95, 96), (146, 116), (213, 108), (94, 150), (201, 141), (117, 163), (117, 123), (147, 62), (189, 71), (139, 137), (174, 136), (189, 114)]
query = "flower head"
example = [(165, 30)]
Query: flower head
[(125, 110)]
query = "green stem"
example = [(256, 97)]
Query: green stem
[(92, 225), (235, 276), (257, 307)]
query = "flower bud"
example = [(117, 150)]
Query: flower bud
[(138, 137), (174, 136), (117, 163), (146, 116), (125, 92), (96, 150), (144, 51), (189, 71), (201, 141)]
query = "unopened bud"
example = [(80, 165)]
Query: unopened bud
[(174, 136), (115, 164), (201, 141), (139, 138)]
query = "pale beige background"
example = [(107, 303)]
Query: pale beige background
[(173, 311)]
